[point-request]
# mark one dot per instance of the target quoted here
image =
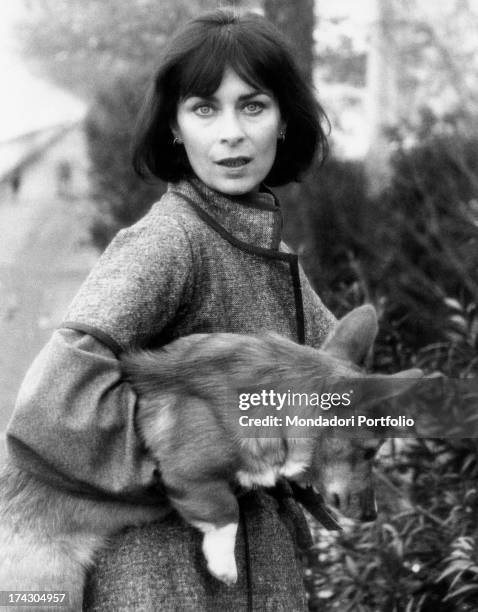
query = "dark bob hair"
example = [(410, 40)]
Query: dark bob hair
[(193, 64)]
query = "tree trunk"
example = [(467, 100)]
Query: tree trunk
[(296, 20), (382, 97)]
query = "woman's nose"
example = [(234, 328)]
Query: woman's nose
[(230, 130)]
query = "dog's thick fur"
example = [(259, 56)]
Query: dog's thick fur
[(48, 537)]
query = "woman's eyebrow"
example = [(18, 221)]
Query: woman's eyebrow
[(253, 94), (244, 97)]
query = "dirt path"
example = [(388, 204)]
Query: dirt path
[(43, 260)]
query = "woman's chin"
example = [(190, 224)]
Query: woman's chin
[(235, 186)]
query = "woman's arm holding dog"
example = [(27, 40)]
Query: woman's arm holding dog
[(74, 418), (73, 423)]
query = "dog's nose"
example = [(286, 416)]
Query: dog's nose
[(368, 516), (335, 500)]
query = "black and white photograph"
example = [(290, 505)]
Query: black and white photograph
[(239, 305)]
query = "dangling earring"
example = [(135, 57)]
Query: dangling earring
[(281, 135), (177, 141)]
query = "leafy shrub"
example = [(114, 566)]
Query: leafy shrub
[(433, 200), (413, 253)]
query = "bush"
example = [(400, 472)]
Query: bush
[(413, 253), (433, 200)]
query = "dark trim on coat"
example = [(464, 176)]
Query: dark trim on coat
[(98, 334), (299, 304), (290, 258)]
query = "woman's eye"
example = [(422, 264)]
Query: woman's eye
[(254, 107), (204, 110)]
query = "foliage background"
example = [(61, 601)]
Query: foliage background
[(409, 248)]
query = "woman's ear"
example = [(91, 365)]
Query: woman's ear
[(173, 126), (176, 134), (282, 130)]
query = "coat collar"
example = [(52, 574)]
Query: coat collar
[(254, 219)]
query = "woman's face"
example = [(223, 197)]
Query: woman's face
[(230, 137)]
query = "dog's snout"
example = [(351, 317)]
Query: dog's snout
[(340, 500)]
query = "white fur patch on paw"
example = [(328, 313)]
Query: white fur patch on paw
[(218, 548), (292, 468)]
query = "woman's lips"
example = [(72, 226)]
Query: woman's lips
[(234, 162)]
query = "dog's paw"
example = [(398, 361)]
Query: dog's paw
[(224, 570), (218, 548)]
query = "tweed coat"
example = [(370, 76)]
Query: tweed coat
[(199, 261)]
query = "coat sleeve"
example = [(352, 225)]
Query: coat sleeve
[(142, 282), (73, 422)]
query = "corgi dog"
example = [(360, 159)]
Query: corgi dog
[(188, 416), (49, 537)]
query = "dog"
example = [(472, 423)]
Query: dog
[(49, 537), (188, 406)]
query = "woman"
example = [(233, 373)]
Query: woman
[(228, 111)]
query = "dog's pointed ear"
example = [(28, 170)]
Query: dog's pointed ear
[(354, 335)]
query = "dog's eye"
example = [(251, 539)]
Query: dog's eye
[(369, 454)]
